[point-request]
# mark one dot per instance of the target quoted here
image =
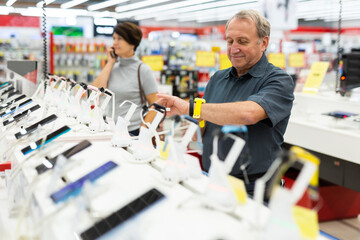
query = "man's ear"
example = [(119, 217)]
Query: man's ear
[(264, 43)]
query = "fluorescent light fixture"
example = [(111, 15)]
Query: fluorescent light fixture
[(73, 3), (10, 3), (105, 21), (47, 2), (53, 12), (105, 4), (175, 13), (215, 12), (161, 8), (138, 5), (170, 14)]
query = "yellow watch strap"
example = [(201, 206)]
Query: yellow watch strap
[(197, 110)]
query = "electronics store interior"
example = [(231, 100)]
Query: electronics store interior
[(140, 119)]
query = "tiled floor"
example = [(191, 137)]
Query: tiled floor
[(346, 229)]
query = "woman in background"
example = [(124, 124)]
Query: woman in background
[(122, 77)]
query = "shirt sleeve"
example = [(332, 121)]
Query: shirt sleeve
[(148, 81), (276, 96)]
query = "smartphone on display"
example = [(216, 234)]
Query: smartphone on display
[(19, 116), (68, 153), (340, 114), (48, 139), (74, 188), (33, 127), (112, 53)]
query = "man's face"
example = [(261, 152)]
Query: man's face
[(243, 47)]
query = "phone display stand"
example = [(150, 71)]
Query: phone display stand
[(121, 136), (98, 123), (219, 193), (283, 200), (85, 115), (143, 149), (74, 102), (57, 92), (179, 165)]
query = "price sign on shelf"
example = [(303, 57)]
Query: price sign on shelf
[(315, 77), (297, 59), (278, 59), (156, 62), (205, 59), (224, 61)]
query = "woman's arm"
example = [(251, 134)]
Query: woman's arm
[(151, 98)]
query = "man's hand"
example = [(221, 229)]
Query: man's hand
[(177, 105)]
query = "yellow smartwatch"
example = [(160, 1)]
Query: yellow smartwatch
[(197, 110)]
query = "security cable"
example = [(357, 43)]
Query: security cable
[(339, 50)]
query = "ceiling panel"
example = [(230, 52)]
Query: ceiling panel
[(198, 10)]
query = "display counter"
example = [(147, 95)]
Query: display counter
[(335, 140)]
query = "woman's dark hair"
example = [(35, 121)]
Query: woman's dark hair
[(130, 32)]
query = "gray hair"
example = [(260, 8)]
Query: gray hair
[(261, 23)]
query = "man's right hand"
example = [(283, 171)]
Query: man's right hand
[(177, 105)]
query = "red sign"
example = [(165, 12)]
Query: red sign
[(19, 21)]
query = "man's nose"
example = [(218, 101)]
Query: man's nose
[(234, 49)]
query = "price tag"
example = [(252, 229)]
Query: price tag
[(224, 61), (308, 222), (315, 77), (156, 62), (205, 59), (239, 189), (278, 59), (297, 59)]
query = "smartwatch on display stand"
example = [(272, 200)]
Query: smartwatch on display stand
[(143, 149), (179, 165), (223, 200)]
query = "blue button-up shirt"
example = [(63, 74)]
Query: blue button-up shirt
[(270, 87)]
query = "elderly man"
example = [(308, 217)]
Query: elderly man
[(253, 92)]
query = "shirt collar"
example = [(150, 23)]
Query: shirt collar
[(256, 71), (127, 61)]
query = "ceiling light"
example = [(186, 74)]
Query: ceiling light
[(202, 9), (138, 5), (73, 3), (161, 8), (53, 12), (10, 3), (105, 4), (41, 3)]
